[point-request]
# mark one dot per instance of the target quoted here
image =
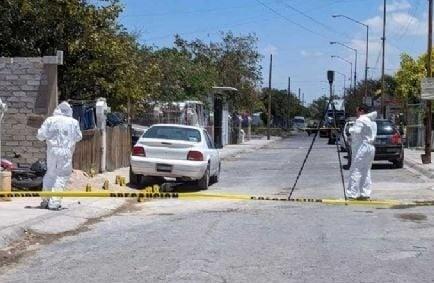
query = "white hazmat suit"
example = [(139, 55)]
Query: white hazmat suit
[(363, 134), (61, 132)]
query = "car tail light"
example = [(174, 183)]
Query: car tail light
[(396, 138), (139, 151), (195, 156)]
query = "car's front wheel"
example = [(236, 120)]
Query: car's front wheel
[(203, 183)]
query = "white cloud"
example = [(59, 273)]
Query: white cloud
[(399, 23), (306, 53), (397, 5)]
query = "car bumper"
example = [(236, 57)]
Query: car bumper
[(389, 153), (193, 170)]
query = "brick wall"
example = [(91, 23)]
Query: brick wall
[(29, 88)]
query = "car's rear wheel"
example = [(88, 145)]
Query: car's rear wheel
[(135, 179), (216, 177), (399, 163), (203, 183)]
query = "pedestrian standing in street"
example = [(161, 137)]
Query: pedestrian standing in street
[(363, 134), (61, 132)]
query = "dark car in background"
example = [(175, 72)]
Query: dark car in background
[(388, 144)]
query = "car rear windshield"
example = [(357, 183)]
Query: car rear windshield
[(173, 133), (298, 121), (385, 128)]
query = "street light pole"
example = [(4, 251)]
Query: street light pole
[(345, 78), (367, 48), (426, 158), (355, 63), (351, 65)]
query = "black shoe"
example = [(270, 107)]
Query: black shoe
[(363, 198)]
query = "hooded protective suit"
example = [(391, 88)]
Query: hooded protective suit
[(363, 135), (60, 132)]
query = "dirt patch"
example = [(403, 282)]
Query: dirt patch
[(32, 240), (414, 217)]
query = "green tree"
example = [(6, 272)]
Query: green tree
[(234, 61), (409, 77), (100, 57), (281, 104)]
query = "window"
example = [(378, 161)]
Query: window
[(385, 128), (173, 133)]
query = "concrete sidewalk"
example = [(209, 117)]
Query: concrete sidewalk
[(249, 146), (413, 160), (21, 214)]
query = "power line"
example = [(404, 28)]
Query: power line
[(207, 30), (290, 21), (183, 12), (327, 27)]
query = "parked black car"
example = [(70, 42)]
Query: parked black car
[(388, 144)]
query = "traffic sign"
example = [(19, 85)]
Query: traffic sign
[(427, 89)]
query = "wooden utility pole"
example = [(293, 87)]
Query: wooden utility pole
[(288, 122), (383, 86), (269, 99), (426, 158)]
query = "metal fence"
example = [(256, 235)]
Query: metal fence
[(415, 130)]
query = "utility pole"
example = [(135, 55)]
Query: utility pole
[(302, 101), (426, 158), (269, 99), (366, 63), (289, 103), (383, 86), (299, 94)]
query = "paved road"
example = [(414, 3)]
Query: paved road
[(199, 241), (273, 170)]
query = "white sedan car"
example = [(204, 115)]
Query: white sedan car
[(175, 151)]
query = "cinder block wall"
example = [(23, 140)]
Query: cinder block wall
[(29, 88)]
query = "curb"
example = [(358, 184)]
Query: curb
[(70, 219), (419, 168)]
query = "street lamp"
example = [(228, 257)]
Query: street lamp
[(367, 47), (351, 65), (355, 62), (345, 79)]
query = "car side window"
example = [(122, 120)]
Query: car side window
[(209, 141)]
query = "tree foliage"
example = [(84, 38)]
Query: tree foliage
[(409, 77), (102, 59), (282, 106)]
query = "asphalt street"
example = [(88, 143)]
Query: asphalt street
[(230, 241)]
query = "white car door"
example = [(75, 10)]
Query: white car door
[(213, 154)]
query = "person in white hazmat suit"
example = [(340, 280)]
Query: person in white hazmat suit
[(61, 132), (363, 134)]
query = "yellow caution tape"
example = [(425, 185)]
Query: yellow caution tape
[(154, 193)]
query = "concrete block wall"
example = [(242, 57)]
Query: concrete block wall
[(29, 88)]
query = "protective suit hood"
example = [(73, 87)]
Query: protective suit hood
[(372, 116), (63, 109)]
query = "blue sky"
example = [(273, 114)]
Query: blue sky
[(297, 32)]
